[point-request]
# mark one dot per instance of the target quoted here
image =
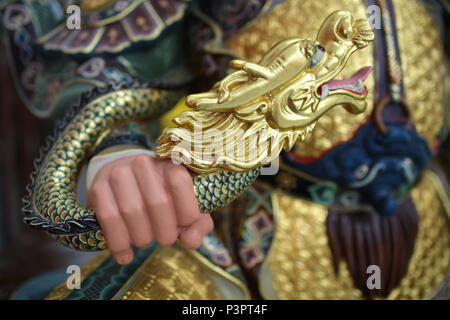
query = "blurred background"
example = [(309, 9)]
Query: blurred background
[(24, 252)]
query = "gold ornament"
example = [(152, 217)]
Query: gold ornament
[(422, 77), (300, 263), (168, 274), (281, 97)]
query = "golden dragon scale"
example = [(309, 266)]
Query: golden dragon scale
[(283, 95)]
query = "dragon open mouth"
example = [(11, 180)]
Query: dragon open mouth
[(354, 84)]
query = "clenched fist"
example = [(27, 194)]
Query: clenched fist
[(139, 199)]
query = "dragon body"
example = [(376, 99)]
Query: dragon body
[(52, 204), (284, 95)]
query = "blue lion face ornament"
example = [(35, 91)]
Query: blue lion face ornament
[(373, 169)]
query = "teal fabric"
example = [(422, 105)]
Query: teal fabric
[(109, 277), (102, 284), (39, 287), (46, 15)]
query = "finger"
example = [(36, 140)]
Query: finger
[(192, 237), (157, 200), (179, 184), (131, 206), (114, 229)]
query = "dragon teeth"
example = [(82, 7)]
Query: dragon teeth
[(357, 87), (360, 85), (324, 92)]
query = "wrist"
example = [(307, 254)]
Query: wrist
[(109, 155)]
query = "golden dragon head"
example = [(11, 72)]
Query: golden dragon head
[(314, 91), (247, 118)]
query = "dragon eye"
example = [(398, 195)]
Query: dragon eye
[(361, 171), (318, 54)]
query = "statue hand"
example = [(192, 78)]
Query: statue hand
[(139, 199)]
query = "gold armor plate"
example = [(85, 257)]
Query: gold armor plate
[(170, 274), (300, 262), (423, 65)]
